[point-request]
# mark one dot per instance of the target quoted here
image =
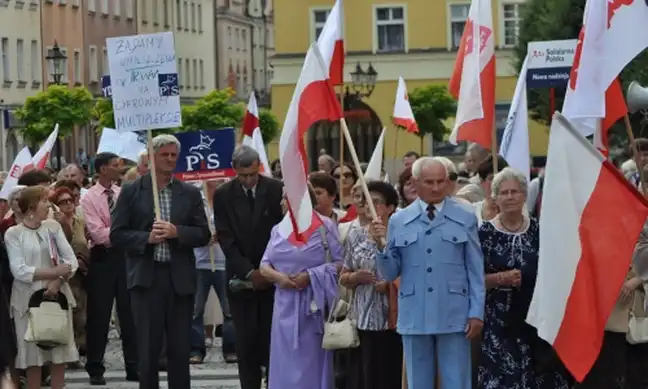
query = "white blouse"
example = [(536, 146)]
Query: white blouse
[(28, 250)]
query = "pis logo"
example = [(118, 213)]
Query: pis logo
[(201, 155)]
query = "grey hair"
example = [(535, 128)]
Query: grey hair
[(244, 156), (507, 174), (450, 166), (3, 175), (477, 150), (142, 154), (165, 140), (422, 162)]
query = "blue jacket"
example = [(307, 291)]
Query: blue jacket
[(441, 266)]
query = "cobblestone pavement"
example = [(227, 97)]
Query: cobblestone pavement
[(213, 373)]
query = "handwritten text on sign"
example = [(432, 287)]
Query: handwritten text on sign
[(144, 82)]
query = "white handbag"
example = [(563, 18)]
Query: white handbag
[(48, 322), (638, 325), (340, 334)]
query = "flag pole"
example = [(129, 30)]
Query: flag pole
[(154, 183), (635, 153), (396, 150), (494, 151), (341, 180), (212, 260)]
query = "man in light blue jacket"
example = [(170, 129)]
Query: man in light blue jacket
[(432, 245)]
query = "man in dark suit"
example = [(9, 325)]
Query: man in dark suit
[(160, 263), (245, 210)]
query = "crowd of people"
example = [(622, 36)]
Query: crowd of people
[(435, 286)]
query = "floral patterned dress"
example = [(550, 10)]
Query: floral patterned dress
[(506, 360)]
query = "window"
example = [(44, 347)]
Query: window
[(200, 18), (6, 75), (130, 6), (104, 7), (179, 71), (229, 37), (511, 20), (142, 9), (35, 58), (64, 73), (20, 59), (93, 62), (319, 19), (185, 7), (104, 62), (156, 12), (202, 73), (77, 67), (458, 17), (195, 73), (390, 29), (117, 7), (166, 12), (92, 6), (178, 15), (188, 74), (237, 38), (243, 40), (193, 16)]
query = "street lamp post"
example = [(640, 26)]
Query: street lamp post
[(58, 61), (363, 83)]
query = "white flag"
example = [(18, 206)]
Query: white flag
[(515, 142)]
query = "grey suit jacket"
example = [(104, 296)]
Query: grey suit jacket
[(640, 257), (132, 221)]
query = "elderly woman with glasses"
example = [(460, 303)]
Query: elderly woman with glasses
[(510, 243)]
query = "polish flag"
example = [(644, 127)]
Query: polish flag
[(331, 43), (42, 156), (590, 221), (313, 100), (252, 134), (403, 115), (473, 78), (613, 34), (20, 164), (374, 168)]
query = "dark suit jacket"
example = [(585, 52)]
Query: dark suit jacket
[(132, 221), (243, 234)]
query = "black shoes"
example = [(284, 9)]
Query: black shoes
[(97, 380)]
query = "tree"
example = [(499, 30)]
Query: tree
[(268, 124), (69, 107), (103, 113), (432, 104), (558, 19)]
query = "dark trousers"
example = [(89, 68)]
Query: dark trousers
[(637, 364), (105, 284), (378, 362), (252, 315), (609, 370), (205, 281), (162, 314)]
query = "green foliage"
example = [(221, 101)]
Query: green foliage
[(69, 107), (432, 105), (103, 113), (268, 124)]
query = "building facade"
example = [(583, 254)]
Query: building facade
[(416, 39), (192, 22), (20, 68), (245, 44)]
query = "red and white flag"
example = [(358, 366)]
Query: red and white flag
[(590, 221), (403, 115), (21, 163), (313, 100), (473, 78), (331, 43), (43, 154), (614, 32), (252, 134)]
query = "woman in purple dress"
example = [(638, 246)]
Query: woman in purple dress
[(305, 276)]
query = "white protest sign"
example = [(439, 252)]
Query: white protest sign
[(127, 145), (144, 82)]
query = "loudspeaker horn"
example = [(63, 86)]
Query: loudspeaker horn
[(637, 97)]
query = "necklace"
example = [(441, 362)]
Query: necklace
[(515, 229)]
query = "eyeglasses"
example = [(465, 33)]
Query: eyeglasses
[(65, 201), (346, 175)]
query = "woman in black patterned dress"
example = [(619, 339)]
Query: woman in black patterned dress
[(510, 244)]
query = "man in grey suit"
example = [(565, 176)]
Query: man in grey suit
[(160, 263)]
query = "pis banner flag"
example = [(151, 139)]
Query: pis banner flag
[(205, 154)]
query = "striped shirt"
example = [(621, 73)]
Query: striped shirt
[(162, 251)]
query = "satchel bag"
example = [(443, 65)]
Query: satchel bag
[(48, 321), (638, 324), (341, 334)]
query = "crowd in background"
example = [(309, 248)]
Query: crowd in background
[(276, 295)]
